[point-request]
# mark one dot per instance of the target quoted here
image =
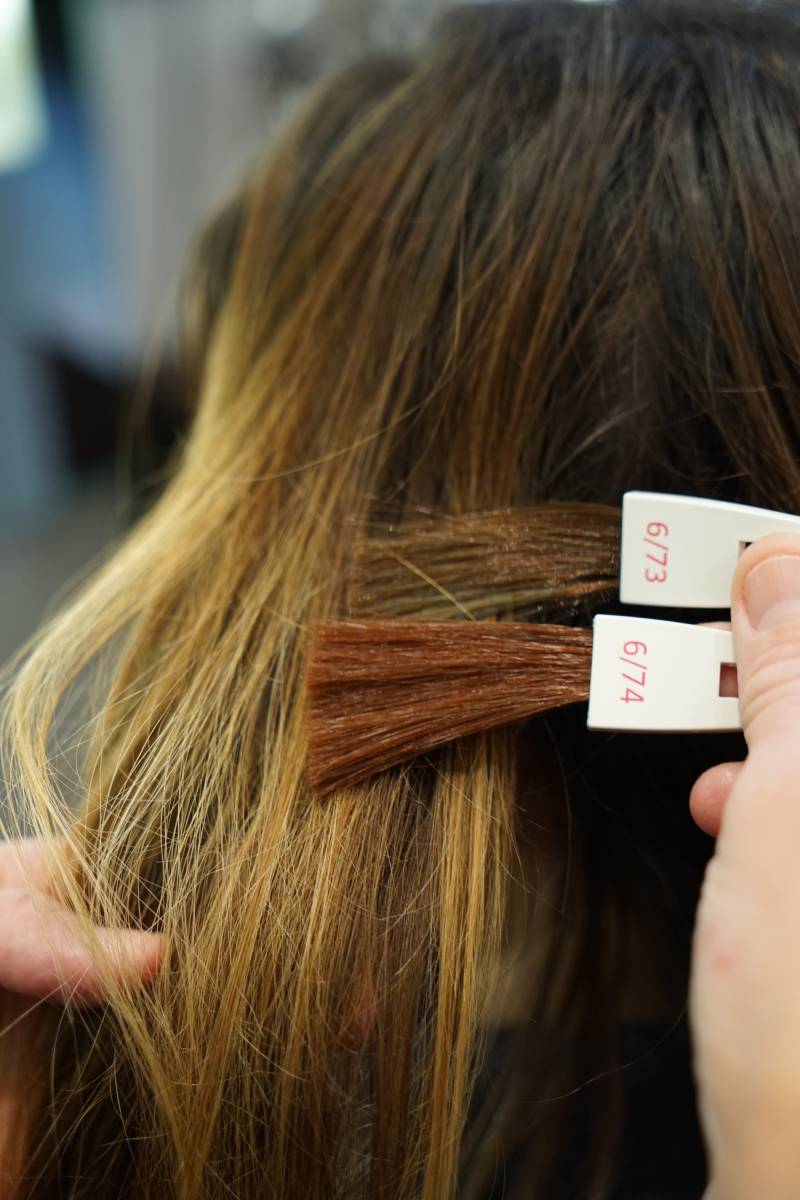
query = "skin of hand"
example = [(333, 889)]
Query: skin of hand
[(745, 985), (44, 958)]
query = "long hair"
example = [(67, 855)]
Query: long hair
[(553, 257)]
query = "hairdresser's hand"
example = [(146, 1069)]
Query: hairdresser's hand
[(745, 992), (44, 957), (43, 953)]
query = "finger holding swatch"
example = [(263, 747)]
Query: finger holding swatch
[(745, 990)]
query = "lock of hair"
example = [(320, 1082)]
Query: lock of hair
[(522, 562), (382, 692)]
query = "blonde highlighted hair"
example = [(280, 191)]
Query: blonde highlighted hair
[(551, 258)]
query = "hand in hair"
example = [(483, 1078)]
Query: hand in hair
[(745, 994), (45, 956), (43, 952)]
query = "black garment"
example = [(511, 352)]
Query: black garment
[(661, 1155)]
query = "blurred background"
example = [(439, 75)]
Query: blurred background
[(122, 122)]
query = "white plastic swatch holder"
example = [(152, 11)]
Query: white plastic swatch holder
[(681, 552), (659, 676), (665, 676)]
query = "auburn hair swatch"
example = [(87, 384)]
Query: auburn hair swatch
[(381, 692)]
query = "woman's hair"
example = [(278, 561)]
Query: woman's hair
[(553, 257)]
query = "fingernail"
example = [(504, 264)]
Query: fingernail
[(772, 592)]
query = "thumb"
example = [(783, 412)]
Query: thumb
[(766, 630), (745, 989)]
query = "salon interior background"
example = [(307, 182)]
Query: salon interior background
[(121, 123)]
